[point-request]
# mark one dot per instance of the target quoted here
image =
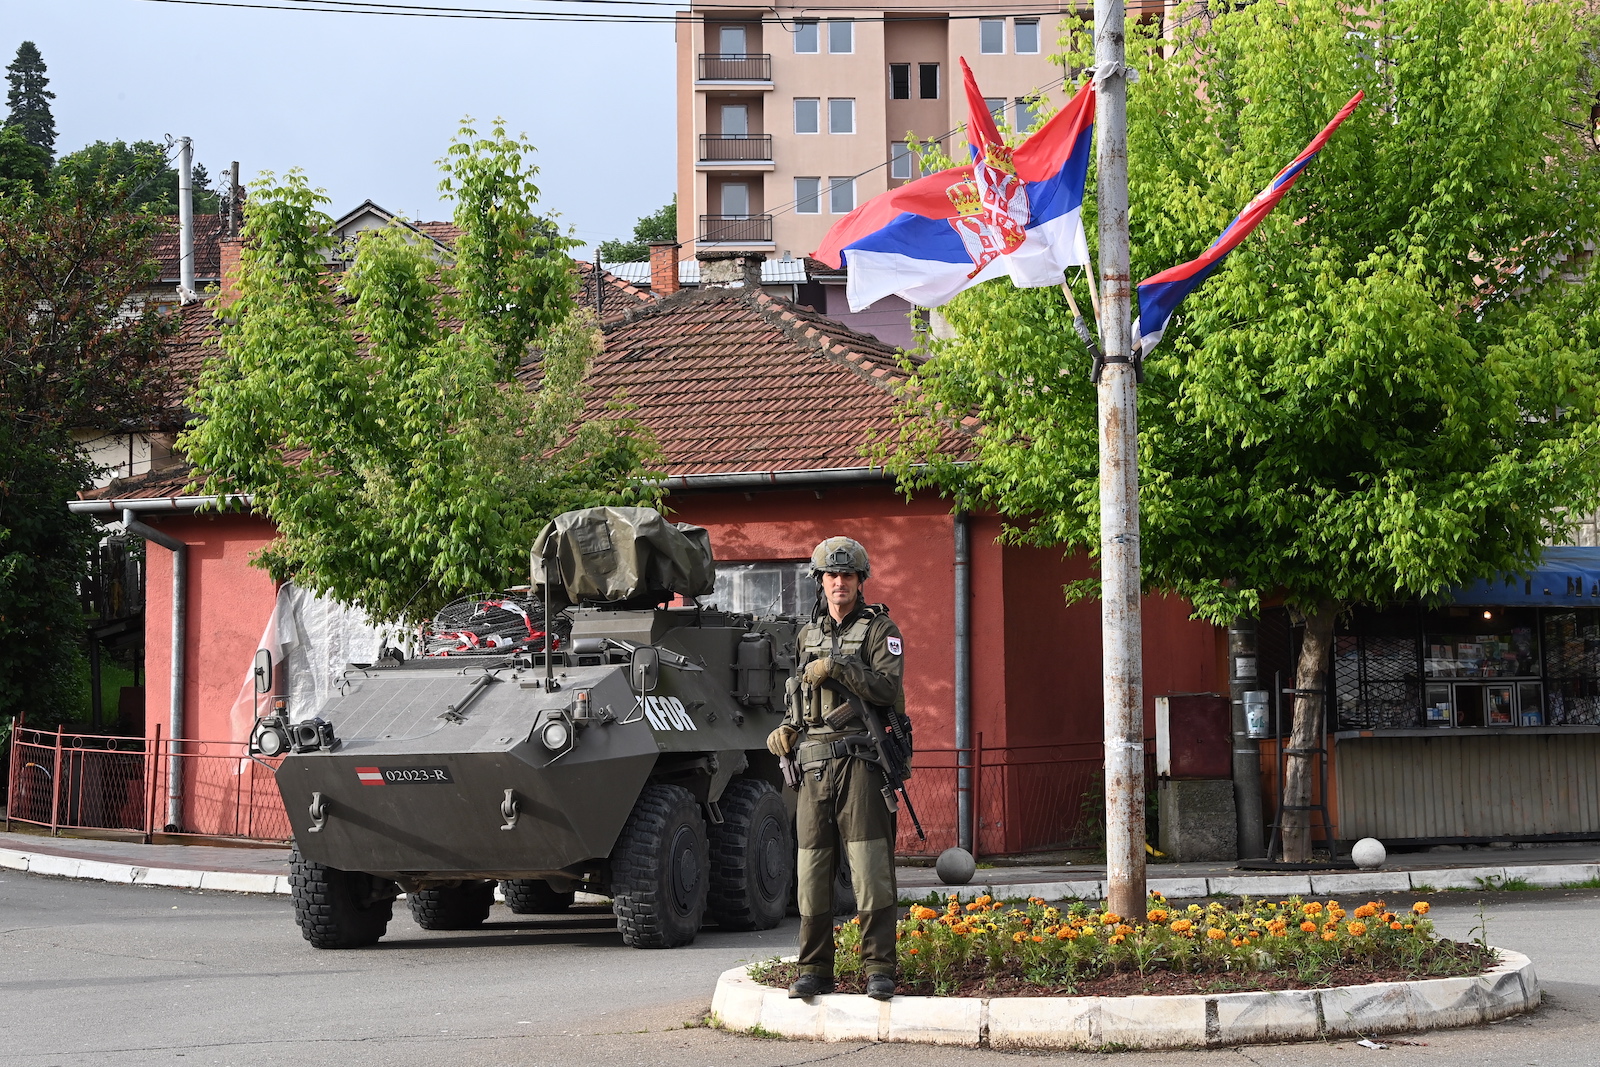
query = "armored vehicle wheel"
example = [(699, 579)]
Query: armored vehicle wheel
[(658, 869), (752, 858), (452, 907), (339, 909), (533, 896)]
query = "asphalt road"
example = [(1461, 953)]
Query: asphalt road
[(122, 975)]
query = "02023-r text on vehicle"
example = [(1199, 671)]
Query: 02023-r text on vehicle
[(617, 748)]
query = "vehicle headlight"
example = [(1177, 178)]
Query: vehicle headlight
[(555, 735), (270, 742)]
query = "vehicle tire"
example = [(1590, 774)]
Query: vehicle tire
[(533, 896), (658, 869), (339, 909), (452, 907), (751, 858)]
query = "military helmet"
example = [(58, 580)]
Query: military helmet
[(840, 555)]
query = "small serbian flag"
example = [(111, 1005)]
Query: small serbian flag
[(369, 775), (1012, 211), (1160, 294)]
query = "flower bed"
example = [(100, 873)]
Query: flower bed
[(991, 948)]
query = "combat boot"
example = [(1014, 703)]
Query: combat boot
[(880, 987), (810, 985)]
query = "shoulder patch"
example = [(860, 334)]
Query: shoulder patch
[(894, 645)]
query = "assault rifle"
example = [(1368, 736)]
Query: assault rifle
[(893, 754)]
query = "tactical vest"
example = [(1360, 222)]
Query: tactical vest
[(814, 643)]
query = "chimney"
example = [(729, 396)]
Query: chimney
[(730, 270), (228, 250), (664, 267)]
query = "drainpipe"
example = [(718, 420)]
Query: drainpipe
[(963, 575), (186, 292), (180, 585)]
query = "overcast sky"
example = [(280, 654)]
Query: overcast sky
[(366, 104)]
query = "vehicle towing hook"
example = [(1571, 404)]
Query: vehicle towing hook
[(319, 812), (508, 808)]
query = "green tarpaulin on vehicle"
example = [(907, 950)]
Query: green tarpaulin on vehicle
[(619, 553)]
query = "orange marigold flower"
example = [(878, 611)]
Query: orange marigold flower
[(1067, 933), (1357, 929), (1387, 917), (985, 899), (1329, 935), (1156, 915), (1110, 918), (1337, 913), (916, 933), (1312, 908), (1410, 927), (1182, 926), (1036, 938), (920, 912), (1123, 929), (1017, 937), (1396, 926), (1116, 939), (974, 906), (1420, 907), (1366, 911), (1215, 934), (914, 951), (1238, 942), (1309, 927), (856, 921)]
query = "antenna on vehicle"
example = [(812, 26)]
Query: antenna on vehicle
[(550, 683)]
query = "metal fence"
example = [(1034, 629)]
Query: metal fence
[(736, 229), (85, 782), (736, 66), (735, 147)]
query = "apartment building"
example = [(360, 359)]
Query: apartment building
[(790, 117)]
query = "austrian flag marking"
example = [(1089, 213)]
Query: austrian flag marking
[(894, 645), (369, 775)]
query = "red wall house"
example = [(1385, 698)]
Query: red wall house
[(761, 409)]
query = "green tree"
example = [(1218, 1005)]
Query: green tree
[(409, 427), (145, 172), (23, 166), (74, 353), (660, 225), (29, 100), (1388, 390)]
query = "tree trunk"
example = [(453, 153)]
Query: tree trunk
[(1307, 733)]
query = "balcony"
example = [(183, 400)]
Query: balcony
[(736, 148), (735, 67), (735, 229)]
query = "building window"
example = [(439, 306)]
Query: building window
[(807, 115), (732, 40), (769, 587), (735, 120), (1025, 115), (808, 196), (928, 76), (997, 108), (735, 200), (841, 195), (992, 36), (1027, 37), (902, 161), (805, 36), (841, 36), (899, 81), (842, 114)]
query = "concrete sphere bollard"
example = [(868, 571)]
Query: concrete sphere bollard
[(1369, 853), (955, 866)]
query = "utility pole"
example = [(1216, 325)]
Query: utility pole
[(1242, 675), (186, 291), (1120, 629)]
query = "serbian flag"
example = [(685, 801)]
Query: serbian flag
[(1160, 294), (1012, 211)]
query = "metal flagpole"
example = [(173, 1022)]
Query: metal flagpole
[(1123, 677)]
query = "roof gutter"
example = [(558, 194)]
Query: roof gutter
[(768, 479), (155, 503)]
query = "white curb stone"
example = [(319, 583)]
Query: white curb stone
[(1179, 888), (12, 860), (238, 881), (56, 866), (1275, 887), (1557, 874), (1458, 877), (1150, 1022), (1361, 882)]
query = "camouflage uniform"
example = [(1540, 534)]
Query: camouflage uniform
[(841, 797)]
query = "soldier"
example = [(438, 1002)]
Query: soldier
[(852, 647)]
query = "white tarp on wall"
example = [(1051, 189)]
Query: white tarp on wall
[(314, 639)]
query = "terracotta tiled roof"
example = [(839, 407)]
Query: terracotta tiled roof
[(208, 232), (167, 481), (443, 232), (736, 381), (620, 296)]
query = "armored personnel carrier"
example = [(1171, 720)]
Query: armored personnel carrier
[(627, 758)]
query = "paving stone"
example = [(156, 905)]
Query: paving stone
[(852, 1017), (737, 1001), (1178, 888), (1281, 1015), (1268, 887), (1552, 874), (1043, 1022), (1381, 1007), (792, 1018), (935, 1020), (1361, 882), (1152, 1022), (237, 881), (1457, 877)]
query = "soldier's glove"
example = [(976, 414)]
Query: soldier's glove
[(817, 671), (780, 742)]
